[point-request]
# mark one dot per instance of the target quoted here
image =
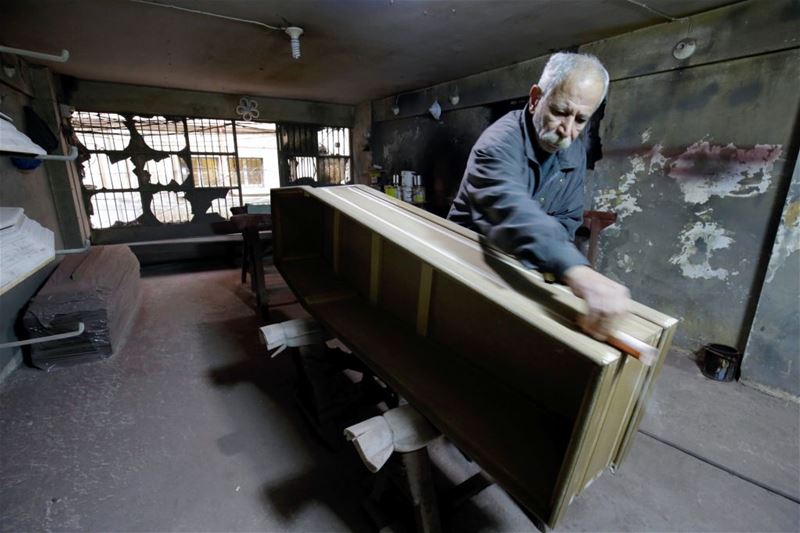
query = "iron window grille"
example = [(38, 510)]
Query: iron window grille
[(314, 155), (156, 170), (140, 170)]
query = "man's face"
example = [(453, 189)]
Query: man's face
[(560, 116)]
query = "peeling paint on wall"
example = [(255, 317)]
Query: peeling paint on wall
[(629, 178), (657, 160), (620, 200), (702, 171), (698, 243), (623, 205), (787, 240), (625, 263), (705, 170), (623, 200)]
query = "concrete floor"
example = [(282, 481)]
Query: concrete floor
[(190, 427)]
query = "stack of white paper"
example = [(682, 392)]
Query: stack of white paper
[(25, 247), (13, 140)]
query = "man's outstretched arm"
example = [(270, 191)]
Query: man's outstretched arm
[(514, 222)]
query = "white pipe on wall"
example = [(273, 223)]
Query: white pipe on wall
[(36, 55)]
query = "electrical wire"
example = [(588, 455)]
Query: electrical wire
[(199, 12), (653, 10)]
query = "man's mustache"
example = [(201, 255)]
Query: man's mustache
[(552, 138)]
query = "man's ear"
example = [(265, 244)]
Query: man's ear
[(535, 96)]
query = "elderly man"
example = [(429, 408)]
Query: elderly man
[(523, 185)]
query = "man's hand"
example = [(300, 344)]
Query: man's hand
[(607, 300)]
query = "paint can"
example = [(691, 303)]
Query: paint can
[(407, 178), (406, 185), (721, 362), (393, 189), (418, 191)]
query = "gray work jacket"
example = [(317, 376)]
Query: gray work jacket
[(504, 197)]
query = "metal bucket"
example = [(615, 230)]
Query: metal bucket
[(721, 362)]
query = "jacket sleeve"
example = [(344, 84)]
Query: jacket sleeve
[(510, 219)]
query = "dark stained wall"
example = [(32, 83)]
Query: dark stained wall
[(437, 150), (118, 98), (772, 355)]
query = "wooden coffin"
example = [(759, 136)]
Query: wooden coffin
[(478, 344)]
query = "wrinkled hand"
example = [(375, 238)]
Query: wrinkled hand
[(607, 300)]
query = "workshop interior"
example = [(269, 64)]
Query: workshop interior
[(400, 265)]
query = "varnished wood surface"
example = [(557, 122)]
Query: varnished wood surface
[(483, 347)]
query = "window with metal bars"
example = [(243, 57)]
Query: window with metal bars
[(140, 170), (251, 169), (313, 154), (155, 170)]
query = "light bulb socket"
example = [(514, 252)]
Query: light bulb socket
[(295, 32), (684, 49)]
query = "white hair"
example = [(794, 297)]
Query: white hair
[(562, 64)]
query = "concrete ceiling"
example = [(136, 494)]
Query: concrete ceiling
[(352, 50)]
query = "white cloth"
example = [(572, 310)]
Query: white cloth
[(402, 429), (292, 333)]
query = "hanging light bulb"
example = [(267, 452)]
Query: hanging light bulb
[(295, 32), (292, 31)]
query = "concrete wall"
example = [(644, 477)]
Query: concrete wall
[(437, 150), (772, 356), (697, 152), (695, 186), (122, 98)]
